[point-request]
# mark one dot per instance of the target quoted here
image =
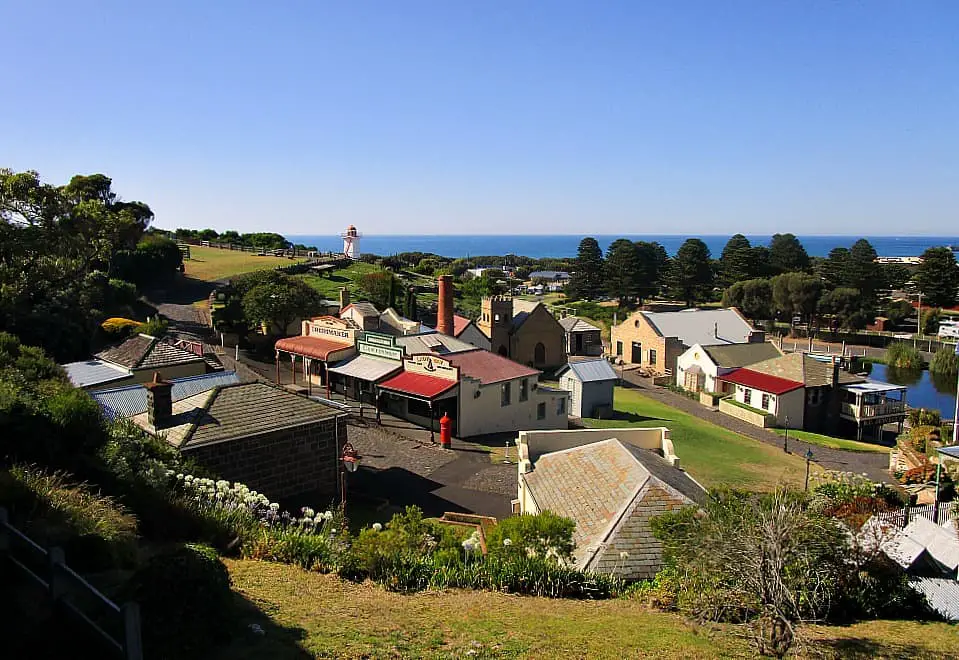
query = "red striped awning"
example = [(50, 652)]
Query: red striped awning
[(421, 385)]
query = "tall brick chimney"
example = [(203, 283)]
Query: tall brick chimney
[(159, 401), (344, 298), (444, 310)]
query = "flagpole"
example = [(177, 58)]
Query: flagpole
[(955, 416)]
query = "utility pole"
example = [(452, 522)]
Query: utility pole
[(919, 317)]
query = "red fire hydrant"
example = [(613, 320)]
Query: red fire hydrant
[(446, 431)]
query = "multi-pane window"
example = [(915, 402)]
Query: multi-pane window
[(652, 357), (747, 396), (541, 410), (765, 400), (619, 349), (505, 394)]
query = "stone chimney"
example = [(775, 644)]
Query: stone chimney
[(444, 309), (344, 298), (159, 401)]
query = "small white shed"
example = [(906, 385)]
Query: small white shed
[(590, 385)]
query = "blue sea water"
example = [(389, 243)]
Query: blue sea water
[(565, 245)]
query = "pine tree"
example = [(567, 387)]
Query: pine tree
[(938, 277), (586, 281), (787, 254), (736, 262), (622, 270), (691, 274)]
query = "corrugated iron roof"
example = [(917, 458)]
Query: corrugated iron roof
[(761, 381), (487, 367), (366, 368), (122, 402), (87, 373), (433, 342), (590, 371), (319, 348), (942, 595), (420, 385), (705, 327)]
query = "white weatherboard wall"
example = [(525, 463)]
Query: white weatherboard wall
[(791, 404), (698, 357), (482, 414), (585, 397)]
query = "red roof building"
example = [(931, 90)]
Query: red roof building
[(761, 381), (488, 367), (318, 348), (419, 385)]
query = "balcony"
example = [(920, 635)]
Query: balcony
[(873, 411)]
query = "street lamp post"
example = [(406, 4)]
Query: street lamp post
[(786, 436), (350, 459), (808, 461)]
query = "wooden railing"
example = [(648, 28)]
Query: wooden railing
[(48, 570), (874, 410)]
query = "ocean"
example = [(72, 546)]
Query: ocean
[(565, 245)]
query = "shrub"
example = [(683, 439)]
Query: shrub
[(945, 361), (923, 417), (833, 489), (544, 535), (186, 604), (903, 356), (153, 326), (118, 327), (93, 529)]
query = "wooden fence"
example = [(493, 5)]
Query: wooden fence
[(68, 590)]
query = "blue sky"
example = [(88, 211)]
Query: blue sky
[(497, 116)]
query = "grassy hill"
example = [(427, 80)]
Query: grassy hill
[(209, 264), (713, 455), (312, 615)]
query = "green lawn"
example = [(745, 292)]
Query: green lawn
[(329, 285), (712, 454), (310, 615), (209, 264), (833, 443)]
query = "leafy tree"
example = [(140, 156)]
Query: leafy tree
[(654, 267), (796, 294), (279, 302), (379, 288), (762, 262), (846, 305), (945, 361), (752, 297), (786, 254), (938, 277), (930, 320), (691, 276), (586, 280), (898, 311), (622, 270), (736, 263)]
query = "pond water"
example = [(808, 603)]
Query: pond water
[(924, 388)]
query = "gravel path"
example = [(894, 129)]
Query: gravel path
[(875, 464)]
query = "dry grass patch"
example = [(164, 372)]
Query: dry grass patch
[(210, 264)]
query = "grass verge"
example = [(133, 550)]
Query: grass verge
[(329, 285), (833, 443), (209, 264), (313, 615), (713, 455)]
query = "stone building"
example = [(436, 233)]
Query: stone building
[(611, 483), (276, 442), (523, 331)]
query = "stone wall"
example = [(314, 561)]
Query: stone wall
[(302, 459), (756, 419)]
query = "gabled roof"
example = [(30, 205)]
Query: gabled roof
[(804, 368), (589, 371), (421, 385), (595, 484), (319, 348), (522, 309), (741, 355), (432, 342), (576, 324), (924, 539), (487, 367), (706, 327), (234, 412), (460, 323), (366, 367), (362, 308), (87, 373), (121, 402), (760, 381), (146, 352)]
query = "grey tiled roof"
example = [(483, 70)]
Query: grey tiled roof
[(146, 352), (741, 355), (122, 402), (594, 484), (236, 411), (705, 327), (803, 368)]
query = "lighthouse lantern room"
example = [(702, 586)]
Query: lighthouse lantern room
[(351, 242)]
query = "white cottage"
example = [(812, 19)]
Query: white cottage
[(590, 385)]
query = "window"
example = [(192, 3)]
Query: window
[(765, 400), (505, 394), (524, 389), (652, 357), (561, 406), (541, 410), (619, 349), (747, 396)]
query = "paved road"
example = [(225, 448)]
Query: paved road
[(874, 464)]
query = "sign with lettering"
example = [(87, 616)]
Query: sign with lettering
[(379, 339), (431, 365), (391, 352), (331, 328)]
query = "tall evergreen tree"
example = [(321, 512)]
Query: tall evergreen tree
[(787, 254), (736, 263), (586, 281), (654, 265), (938, 277), (623, 270), (862, 271), (833, 269), (691, 275)]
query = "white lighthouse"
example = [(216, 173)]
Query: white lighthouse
[(351, 242)]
